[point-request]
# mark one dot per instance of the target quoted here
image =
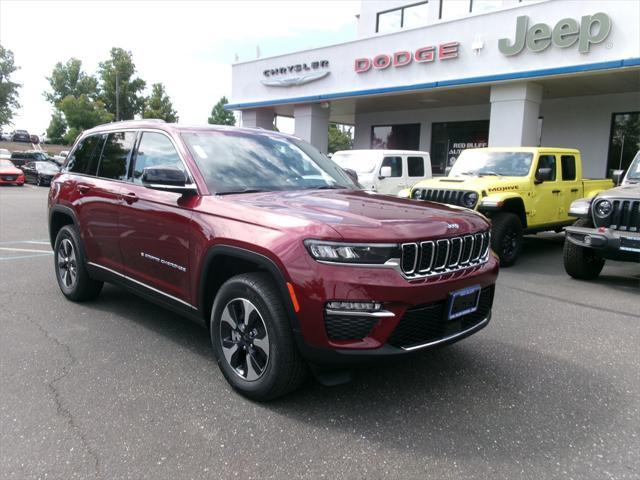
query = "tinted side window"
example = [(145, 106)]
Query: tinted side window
[(155, 150), (84, 158), (115, 155), (396, 165), (415, 166), (548, 161), (568, 163)]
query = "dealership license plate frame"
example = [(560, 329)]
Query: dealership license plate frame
[(463, 302)]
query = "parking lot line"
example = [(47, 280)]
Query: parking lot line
[(43, 254), (11, 249)]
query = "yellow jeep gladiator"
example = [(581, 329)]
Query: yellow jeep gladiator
[(522, 190)]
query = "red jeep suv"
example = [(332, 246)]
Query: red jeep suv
[(285, 259)]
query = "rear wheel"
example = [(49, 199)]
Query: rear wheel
[(506, 237), (252, 338), (580, 262), (71, 273)]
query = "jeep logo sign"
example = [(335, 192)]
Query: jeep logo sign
[(592, 29)]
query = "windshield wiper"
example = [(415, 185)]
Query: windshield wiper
[(246, 190), (489, 173), (326, 187)]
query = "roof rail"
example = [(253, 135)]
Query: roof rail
[(142, 120)]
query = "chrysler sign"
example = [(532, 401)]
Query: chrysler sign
[(297, 74)]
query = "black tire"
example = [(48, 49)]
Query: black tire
[(280, 369), (506, 237), (38, 181), (580, 262), (69, 264)]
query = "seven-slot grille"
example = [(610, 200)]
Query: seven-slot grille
[(625, 216), (444, 255), (451, 197)]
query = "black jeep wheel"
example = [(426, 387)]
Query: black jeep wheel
[(252, 338), (506, 237), (580, 262), (71, 273)]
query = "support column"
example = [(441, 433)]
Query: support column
[(514, 115), (258, 118), (312, 125)]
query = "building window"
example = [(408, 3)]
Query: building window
[(406, 17), (624, 140), (396, 137), (449, 139), (459, 8)]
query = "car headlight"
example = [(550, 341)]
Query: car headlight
[(603, 208), (337, 252), (416, 194), (469, 199)]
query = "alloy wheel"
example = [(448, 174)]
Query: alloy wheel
[(244, 339), (510, 243), (67, 264)]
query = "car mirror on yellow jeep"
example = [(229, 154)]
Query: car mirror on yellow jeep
[(543, 174)]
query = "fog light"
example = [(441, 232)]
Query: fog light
[(354, 306), (587, 240)]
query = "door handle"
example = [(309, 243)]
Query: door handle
[(555, 191), (574, 190), (82, 189), (130, 197)]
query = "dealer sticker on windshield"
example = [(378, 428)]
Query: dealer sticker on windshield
[(463, 302)]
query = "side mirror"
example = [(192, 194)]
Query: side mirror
[(544, 175), (447, 171), (168, 179), (351, 174), (617, 176), (385, 172)]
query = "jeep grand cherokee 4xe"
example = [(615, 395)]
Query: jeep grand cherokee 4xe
[(269, 243)]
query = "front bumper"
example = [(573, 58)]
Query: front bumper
[(15, 181), (413, 311), (611, 244)]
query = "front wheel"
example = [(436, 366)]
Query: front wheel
[(73, 279), (580, 262), (252, 338), (506, 237)]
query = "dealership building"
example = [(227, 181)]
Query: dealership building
[(444, 75)]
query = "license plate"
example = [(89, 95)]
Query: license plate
[(463, 302), (630, 244)]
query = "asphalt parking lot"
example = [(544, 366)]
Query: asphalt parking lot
[(119, 388)]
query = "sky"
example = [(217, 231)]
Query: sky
[(189, 46)]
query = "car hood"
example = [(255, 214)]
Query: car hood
[(489, 184), (355, 215), (624, 191), (10, 171)]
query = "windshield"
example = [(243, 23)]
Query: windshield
[(481, 162), (6, 163), (235, 161), (46, 167), (634, 169), (360, 162)]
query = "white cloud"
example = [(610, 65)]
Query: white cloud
[(184, 44)]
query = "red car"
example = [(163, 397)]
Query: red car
[(10, 174), (268, 243)]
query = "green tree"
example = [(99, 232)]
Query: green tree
[(71, 136), (82, 112), (339, 139), (159, 105), (117, 73), (220, 116), (69, 79), (8, 89), (57, 128)]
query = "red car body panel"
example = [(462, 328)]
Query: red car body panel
[(138, 232), (15, 172)]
